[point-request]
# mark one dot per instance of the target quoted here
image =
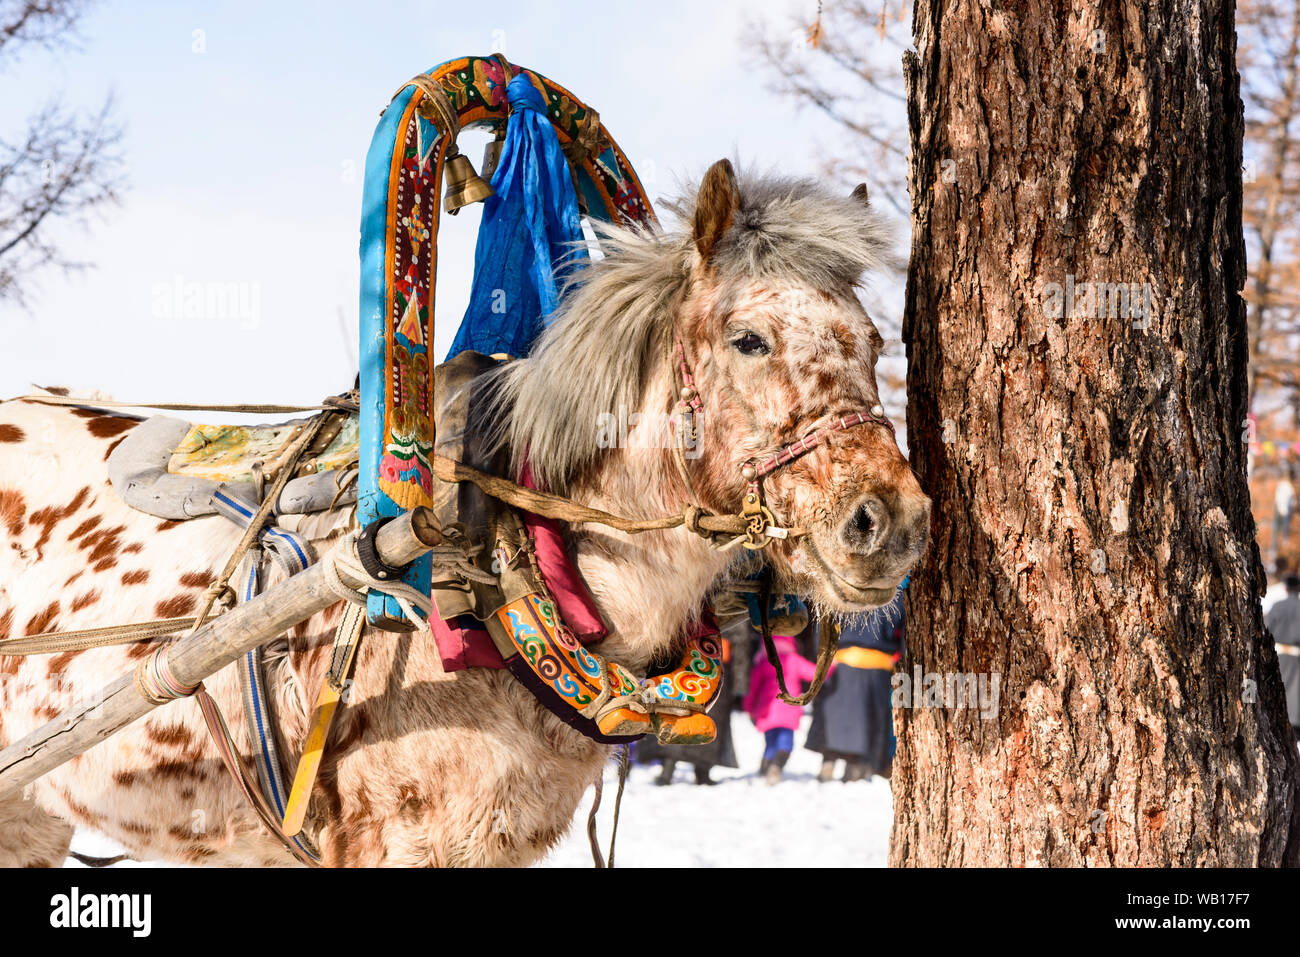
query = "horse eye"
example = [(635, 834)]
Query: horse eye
[(751, 344)]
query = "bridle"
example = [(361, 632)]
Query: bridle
[(761, 527)]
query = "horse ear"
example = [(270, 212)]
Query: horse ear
[(860, 194), (715, 207)]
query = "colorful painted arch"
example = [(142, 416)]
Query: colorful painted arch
[(401, 208)]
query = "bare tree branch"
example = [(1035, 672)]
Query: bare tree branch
[(1269, 62), (853, 76), (46, 24), (63, 168)]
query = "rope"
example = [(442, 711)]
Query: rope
[(828, 642), (54, 642), (706, 524), (456, 556), (170, 406), (343, 561), (624, 765), (598, 860), (156, 683)]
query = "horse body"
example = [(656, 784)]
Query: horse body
[(425, 767)]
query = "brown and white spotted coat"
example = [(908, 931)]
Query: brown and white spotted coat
[(414, 775), (426, 768)]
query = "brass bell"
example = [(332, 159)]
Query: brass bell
[(463, 184)]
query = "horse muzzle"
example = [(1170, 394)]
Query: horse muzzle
[(879, 538)]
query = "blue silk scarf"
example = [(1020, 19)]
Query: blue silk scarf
[(529, 240)]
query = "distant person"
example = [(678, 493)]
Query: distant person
[(1283, 621), (772, 716), (853, 718), (1283, 507)]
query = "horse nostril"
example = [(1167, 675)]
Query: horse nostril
[(862, 530), (863, 523)]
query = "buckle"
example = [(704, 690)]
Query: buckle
[(758, 521)]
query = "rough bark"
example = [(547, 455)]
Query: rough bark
[(1093, 543)]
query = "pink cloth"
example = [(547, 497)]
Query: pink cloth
[(577, 607), (464, 643), (762, 703)]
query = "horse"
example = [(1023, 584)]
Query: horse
[(429, 768)]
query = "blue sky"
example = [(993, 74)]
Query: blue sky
[(246, 131)]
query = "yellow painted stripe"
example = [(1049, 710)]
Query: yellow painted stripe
[(348, 636), (309, 764)]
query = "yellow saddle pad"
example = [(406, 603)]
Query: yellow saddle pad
[(226, 453)]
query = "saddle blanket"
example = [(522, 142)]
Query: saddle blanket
[(170, 468), (225, 453)]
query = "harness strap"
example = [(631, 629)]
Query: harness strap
[(688, 406), (875, 416), (292, 553), (220, 733), (332, 690), (693, 517), (828, 642), (257, 706), (261, 728)]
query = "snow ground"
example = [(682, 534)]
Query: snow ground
[(739, 822)]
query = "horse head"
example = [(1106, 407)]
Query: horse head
[(755, 305), (783, 357)]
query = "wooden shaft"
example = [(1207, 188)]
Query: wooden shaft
[(200, 655)]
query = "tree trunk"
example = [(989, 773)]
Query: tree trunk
[(1093, 553)]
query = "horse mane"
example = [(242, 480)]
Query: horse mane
[(615, 319)]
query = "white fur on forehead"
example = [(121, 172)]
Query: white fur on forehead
[(797, 230)]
